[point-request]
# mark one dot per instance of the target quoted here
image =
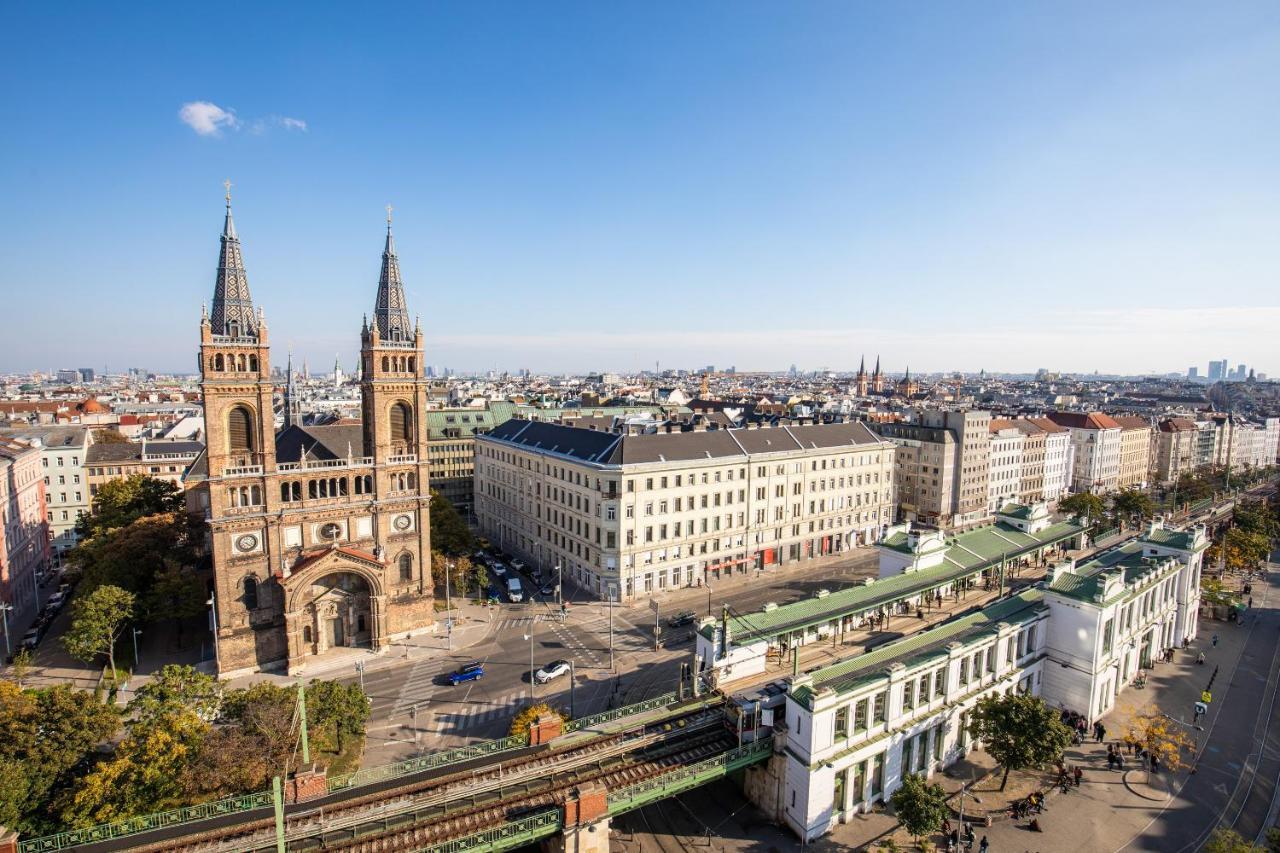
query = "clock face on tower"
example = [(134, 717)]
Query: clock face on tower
[(402, 522), (247, 542)]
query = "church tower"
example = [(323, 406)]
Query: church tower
[(235, 370), (860, 380), (292, 402), (877, 379)]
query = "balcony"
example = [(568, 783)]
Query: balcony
[(243, 471), (322, 464)]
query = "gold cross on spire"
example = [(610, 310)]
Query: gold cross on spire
[(227, 184), (389, 214)]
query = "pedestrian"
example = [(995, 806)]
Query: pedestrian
[(1251, 602), (1078, 774), (982, 845), (1155, 763), (1215, 641), (1200, 658), (1099, 731), (920, 613)]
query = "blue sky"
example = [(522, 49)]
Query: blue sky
[(605, 185)]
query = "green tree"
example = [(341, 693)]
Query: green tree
[(175, 688), (1132, 505), (1256, 517), (1019, 731), (145, 774), (1224, 840), (461, 577), (109, 436), (118, 503), (337, 709), (1083, 504), (449, 533), (1243, 549), (265, 713), (919, 805), (46, 734), (131, 556), (97, 621), (18, 669)]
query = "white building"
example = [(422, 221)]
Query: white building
[(1005, 474), (1096, 443), (63, 453)]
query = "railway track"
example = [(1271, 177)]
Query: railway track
[(475, 795)]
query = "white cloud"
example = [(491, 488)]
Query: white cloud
[(207, 119)]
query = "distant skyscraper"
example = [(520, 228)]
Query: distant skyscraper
[(1217, 370), (1193, 373)]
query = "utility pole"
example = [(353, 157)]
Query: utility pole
[(302, 721), (213, 626), (657, 628), (573, 677), (529, 637), (136, 632), (5, 607), (448, 599), (611, 597), (277, 800), (360, 670)]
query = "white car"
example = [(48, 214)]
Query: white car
[(555, 669), (518, 565), (499, 569)]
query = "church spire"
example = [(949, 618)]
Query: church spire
[(233, 313), (877, 373), (390, 315), (292, 403), (862, 366)]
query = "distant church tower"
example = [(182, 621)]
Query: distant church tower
[(860, 381), (292, 402), (877, 379)]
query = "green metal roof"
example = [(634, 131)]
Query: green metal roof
[(1085, 582), (968, 553), (1183, 540), (909, 651)]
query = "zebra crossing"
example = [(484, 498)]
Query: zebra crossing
[(498, 626), (478, 713), (418, 685)]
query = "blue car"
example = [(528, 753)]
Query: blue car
[(466, 672)]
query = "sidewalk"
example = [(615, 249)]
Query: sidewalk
[(1110, 807)]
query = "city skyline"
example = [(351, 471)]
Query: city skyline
[(904, 180)]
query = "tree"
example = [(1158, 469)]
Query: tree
[(1224, 840), (1215, 593), (1019, 731), (97, 621), (919, 805), (340, 708), (1131, 504), (144, 774), (449, 533), (109, 436), (524, 720), (46, 734), (461, 578), (118, 503), (265, 713), (1243, 549), (1162, 737), (175, 688), (1256, 517), (19, 668), (1084, 505), (132, 556)]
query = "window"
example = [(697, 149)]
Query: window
[(401, 423), (251, 593), (1107, 630), (908, 699), (842, 722), (240, 429), (878, 707), (860, 716), (406, 567)]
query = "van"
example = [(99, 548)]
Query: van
[(514, 592)]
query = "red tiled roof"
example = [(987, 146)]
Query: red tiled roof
[(1083, 420), (1178, 425), (311, 556), (1131, 422)]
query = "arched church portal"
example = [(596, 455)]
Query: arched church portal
[(339, 613)]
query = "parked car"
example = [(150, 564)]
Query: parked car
[(30, 640), (498, 569), (548, 590), (515, 592), (555, 669), (518, 565), (681, 619), (466, 672), (56, 600)]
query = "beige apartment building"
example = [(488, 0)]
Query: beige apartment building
[(632, 515), (1034, 451), (1135, 452), (162, 459), (945, 467)]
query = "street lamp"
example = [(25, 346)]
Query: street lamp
[(448, 570), (560, 585), (708, 599), (213, 625), (136, 632), (360, 671), (5, 607)]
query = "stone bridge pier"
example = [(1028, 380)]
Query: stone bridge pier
[(586, 822)]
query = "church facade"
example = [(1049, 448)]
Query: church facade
[(320, 536)]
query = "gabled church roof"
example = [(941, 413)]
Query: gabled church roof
[(232, 305)]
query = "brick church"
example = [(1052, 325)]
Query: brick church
[(319, 535)]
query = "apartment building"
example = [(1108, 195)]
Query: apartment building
[(1135, 452), (1031, 485), (1004, 478), (451, 450), (633, 514), (941, 473), (853, 729), (1176, 442), (1096, 447), (63, 453), (24, 530), (162, 459), (1059, 457)]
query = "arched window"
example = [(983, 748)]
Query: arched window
[(412, 362), (406, 567), (386, 364), (401, 423), (306, 633), (253, 363), (233, 329), (251, 593), (240, 365), (218, 362), (240, 429)]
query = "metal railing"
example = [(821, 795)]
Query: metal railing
[(310, 465), (403, 459), (1103, 534), (618, 713), (659, 787), (146, 823), (372, 775), (242, 471), (514, 834)]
